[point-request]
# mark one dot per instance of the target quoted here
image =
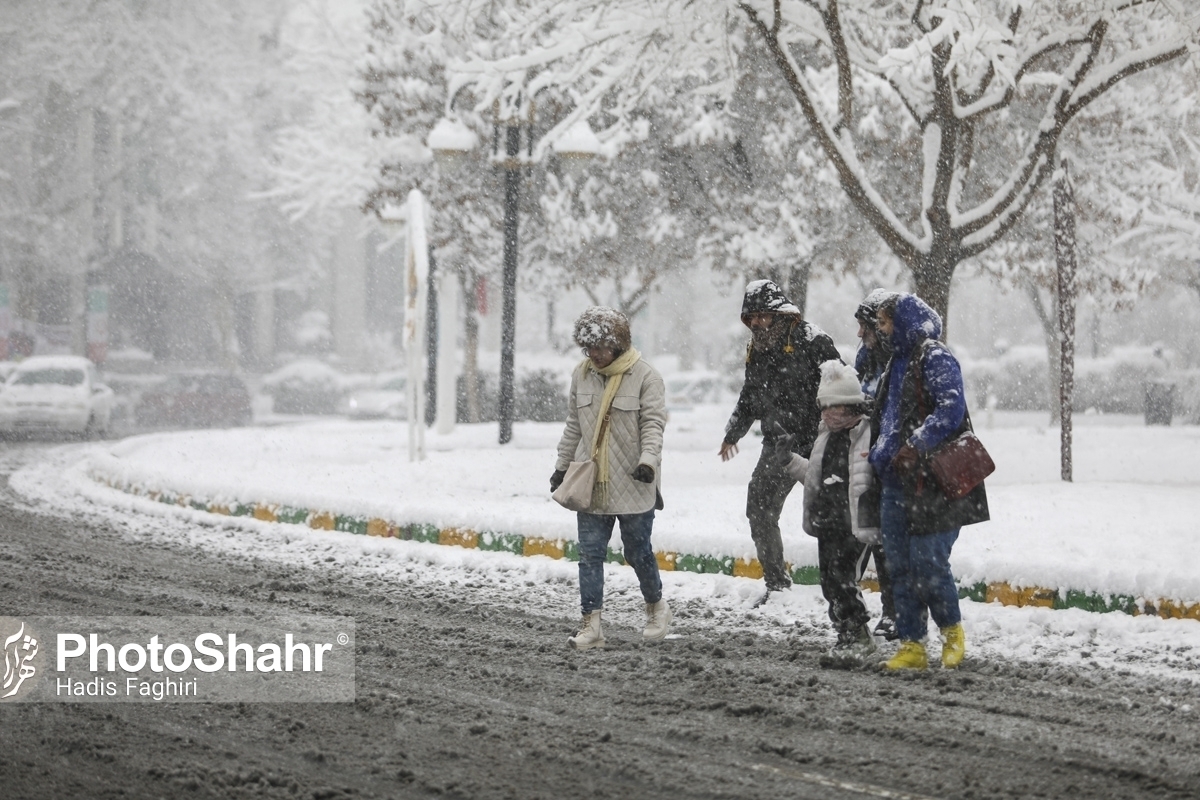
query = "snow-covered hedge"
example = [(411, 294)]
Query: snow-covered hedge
[(305, 387), (1114, 384)]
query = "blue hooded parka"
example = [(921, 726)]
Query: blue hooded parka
[(899, 418)]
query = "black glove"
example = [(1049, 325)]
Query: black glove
[(781, 450), (556, 479), (643, 473)]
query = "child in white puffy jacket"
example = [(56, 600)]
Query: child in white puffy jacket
[(841, 502)]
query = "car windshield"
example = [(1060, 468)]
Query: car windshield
[(394, 385), (61, 377)]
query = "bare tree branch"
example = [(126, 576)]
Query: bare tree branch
[(852, 181), (838, 44)]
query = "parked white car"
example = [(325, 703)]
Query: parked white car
[(388, 400), (55, 393)]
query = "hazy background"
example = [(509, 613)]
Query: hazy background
[(210, 167)]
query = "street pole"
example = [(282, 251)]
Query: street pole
[(431, 342), (1064, 251), (508, 312)]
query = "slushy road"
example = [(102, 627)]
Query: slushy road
[(467, 689)]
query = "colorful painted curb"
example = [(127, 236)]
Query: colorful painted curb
[(499, 541)]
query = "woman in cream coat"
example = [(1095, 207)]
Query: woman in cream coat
[(615, 382)]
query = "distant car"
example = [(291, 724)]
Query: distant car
[(387, 401), (55, 393), (688, 389), (6, 368), (195, 400)]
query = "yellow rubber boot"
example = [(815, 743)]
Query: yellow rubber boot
[(954, 646), (911, 655)]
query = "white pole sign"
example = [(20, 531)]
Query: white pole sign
[(416, 273)]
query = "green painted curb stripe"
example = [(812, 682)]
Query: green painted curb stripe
[(976, 592), (499, 541)]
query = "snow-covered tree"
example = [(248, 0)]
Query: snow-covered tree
[(625, 227), (988, 86), (138, 138), (1159, 194)]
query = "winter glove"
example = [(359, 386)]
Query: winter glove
[(781, 452), (905, 460), (556, 479), (643, 473)]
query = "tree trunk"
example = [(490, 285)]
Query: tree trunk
[(1049, 321), (798, 284), (1064, 251), (470, 290), (85, 142), (931, 277)]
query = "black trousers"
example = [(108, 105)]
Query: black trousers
[(769, 487), (842, 560)]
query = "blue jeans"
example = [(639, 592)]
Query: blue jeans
[(920, 570), (594, 532)]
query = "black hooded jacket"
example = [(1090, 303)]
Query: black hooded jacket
[(781, 381)]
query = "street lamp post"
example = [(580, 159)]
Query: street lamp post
[(451, 142), (508, 308)]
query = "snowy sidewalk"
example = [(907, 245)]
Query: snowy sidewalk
[(1121, 536)]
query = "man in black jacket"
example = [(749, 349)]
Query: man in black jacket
[(783, 370)]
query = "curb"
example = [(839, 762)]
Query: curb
[(668, 561)]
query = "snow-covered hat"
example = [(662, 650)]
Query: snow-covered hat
[(871, 304), (601, 326), (839, 386), (765, 297)]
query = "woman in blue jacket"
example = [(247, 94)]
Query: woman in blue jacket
[(920, 403)]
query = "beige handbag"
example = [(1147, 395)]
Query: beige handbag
[(575, 493)]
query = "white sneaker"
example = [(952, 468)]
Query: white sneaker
[(589, 635), (658, 620)]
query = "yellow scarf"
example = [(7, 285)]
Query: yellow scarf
[(614, 372)]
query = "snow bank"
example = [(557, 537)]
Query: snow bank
[(1124, 528)]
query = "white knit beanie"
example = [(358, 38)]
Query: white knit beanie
[(839, 386)]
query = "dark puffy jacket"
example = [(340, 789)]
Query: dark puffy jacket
[(781, 387), (898, 417), (870, 362)]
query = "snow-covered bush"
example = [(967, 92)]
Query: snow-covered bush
[(1116, 384), (1113, 384), (305, 387), (541, 397)]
